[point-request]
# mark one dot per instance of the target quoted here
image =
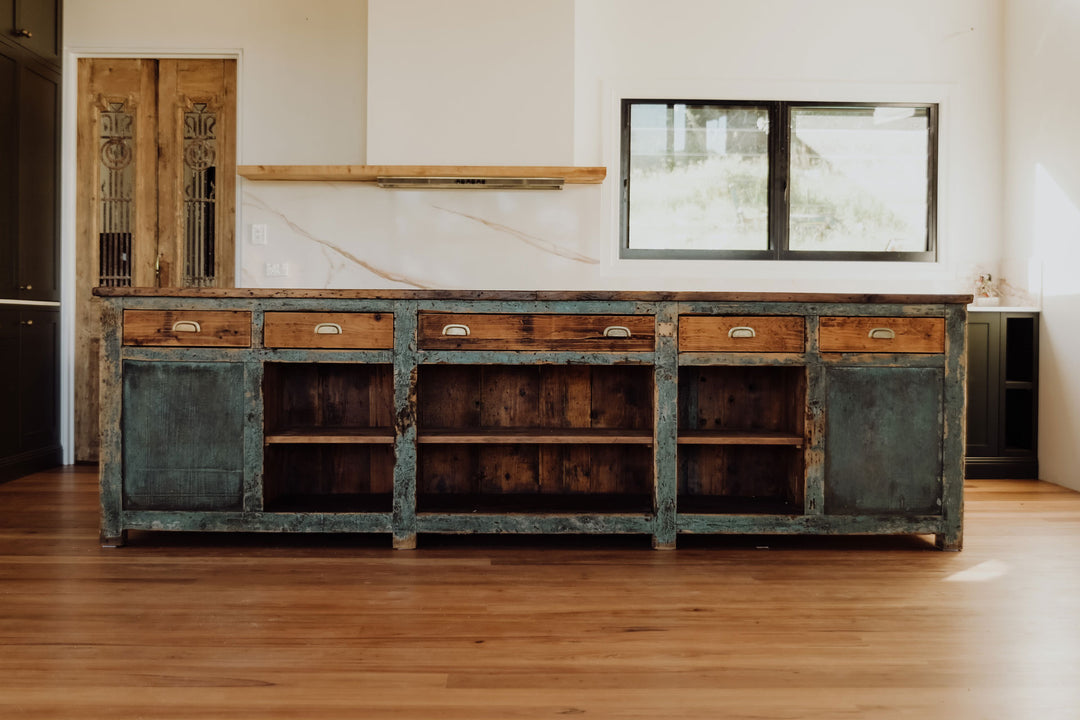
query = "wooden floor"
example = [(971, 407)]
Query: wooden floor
[(213, 626)]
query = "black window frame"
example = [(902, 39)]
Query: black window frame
[(779, 145)]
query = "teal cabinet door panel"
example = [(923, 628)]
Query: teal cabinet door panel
[(183, 429), (883, 441)]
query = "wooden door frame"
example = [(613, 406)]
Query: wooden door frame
[(69, 210)]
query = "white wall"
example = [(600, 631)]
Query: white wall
[(1042, 217), (915, 50), (437, 72), (483, 82)]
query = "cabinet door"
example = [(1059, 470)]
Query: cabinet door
[(9, 152), (35, 24), (39, 392), (182, 426), (38, 197), (982, 384), (9, 381), (883, 441)]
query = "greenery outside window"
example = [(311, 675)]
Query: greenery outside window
[(777, 180)]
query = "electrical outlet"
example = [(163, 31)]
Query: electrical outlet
[(277, 269), (258, 234)]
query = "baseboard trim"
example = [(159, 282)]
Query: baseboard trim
[(17, 466), (1001, 468)]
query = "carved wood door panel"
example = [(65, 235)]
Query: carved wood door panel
[(156, 192)]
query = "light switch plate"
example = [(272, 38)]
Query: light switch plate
[(258, 234), (277, 269)]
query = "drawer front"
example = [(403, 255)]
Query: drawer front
[(535, 331), (744, 333), (188, 328), (352, 331), (882, 334)]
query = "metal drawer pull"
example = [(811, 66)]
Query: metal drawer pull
[(455, 330), (186, 326), (327, 329), (882, 334), (741, 331), (616, 331)]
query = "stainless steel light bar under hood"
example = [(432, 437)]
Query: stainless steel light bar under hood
[(471, 183)]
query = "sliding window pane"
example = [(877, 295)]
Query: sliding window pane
[(858, 179), (698, 177)]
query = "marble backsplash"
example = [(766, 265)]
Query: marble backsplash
[(357, 235)]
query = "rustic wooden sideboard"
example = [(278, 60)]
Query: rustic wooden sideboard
[(405, 412)]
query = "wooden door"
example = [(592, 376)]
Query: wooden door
[(156, 199)]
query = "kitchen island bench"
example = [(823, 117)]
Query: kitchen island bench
[(429, 411)]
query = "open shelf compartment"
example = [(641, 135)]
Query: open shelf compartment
[(535, 438), (328, 437), (741, 440)]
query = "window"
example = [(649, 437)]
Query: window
[(778, 180)]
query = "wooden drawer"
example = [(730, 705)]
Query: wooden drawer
[(188, 328), (741, 333), (882, 334), (536, 331), (352, 331)]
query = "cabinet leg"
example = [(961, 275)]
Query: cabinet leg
[(114, 541), (952, 542), (663, 544), (406, 542)]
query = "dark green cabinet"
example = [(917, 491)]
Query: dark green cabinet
[(29, 151), (29, 182), (29, 235), (33, 25), (1002, 395), (29, 375)]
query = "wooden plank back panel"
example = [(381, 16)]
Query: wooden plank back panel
[(742, 398), (721, 333), (328, 477), (734, 478), (354, 331), (213, 328), (535, 331), (896, 334), (448, 396), (327, 395)]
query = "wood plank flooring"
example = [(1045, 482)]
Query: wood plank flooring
[(215, 626)]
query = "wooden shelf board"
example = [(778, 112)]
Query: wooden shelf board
[(332, 436), (369, 173), (536, 436), (533, 503), (728, 437)]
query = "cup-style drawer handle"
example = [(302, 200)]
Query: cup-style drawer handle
[(741, 331), (186, 326), (616, 331), (882, 334), (455, 330), (327, 329)]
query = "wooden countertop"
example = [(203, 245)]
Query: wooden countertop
[(540, 295)]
